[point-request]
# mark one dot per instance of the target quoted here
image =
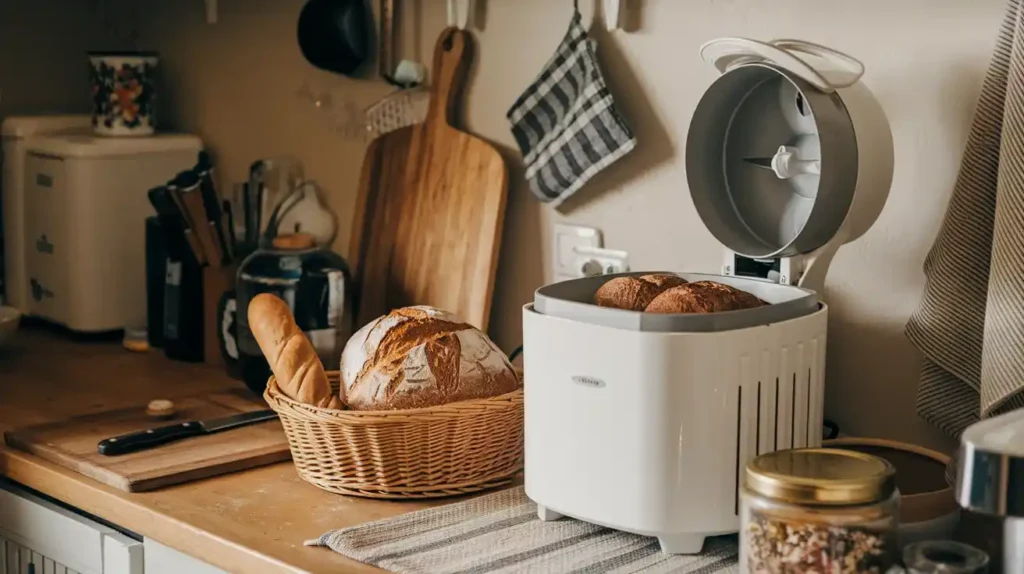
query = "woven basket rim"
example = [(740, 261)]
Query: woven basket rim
[(275, 397)]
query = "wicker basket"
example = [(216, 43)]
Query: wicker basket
[(413, 453)]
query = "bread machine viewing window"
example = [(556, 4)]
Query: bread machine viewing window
[(788, 157)]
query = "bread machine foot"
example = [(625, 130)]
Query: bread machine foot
[(681, 543), (546, 514)]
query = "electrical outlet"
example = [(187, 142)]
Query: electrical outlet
[(568, 240), (591, 261)]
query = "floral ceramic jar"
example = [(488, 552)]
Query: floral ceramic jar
[(123, 93)]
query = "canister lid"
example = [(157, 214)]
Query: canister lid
[(24, 126), (822, 476), (294, 241), (81, 145)]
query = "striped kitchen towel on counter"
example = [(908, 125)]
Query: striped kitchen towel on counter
[(970, 323), (500, 532)]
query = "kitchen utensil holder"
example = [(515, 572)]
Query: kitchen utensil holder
[(216, 282), (182, 324), (431, 452), (193, 312)]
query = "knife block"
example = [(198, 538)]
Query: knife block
[(216, 282), (182, 307)]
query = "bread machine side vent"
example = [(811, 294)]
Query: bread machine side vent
[(810, 410), (777, 406), (743, 454), (792, 417), (775, 423), (798, 396), (757, 441)]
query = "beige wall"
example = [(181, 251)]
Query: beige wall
[(43, 66), (925, 61), (240, 85), (235, 84)]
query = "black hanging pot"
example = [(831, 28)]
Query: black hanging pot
[(334, 34)]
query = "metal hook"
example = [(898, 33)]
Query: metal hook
[(459, 12), (612, 9)]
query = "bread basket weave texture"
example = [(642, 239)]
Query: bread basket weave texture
[(430, 452)]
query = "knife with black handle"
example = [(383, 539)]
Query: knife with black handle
[(149, 438)]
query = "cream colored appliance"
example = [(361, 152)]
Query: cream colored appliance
[(85, 205), (16, 133)]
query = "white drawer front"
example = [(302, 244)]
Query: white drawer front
[(122, 554), (40, 537), (161, 559)]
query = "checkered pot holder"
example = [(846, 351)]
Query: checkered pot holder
[(565, 123)]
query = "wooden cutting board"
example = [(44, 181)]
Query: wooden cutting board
[(72, 444), (432, 200)]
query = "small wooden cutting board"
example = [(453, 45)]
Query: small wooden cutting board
[(72, 443)]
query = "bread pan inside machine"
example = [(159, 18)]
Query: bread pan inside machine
[(574, 300)]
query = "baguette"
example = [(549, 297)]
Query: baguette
[(291, 356)]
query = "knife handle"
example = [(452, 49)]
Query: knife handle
[(135, 441)]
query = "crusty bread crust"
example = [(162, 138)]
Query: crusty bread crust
[(663, 280), (420, 357), (626, 293), (702, 297)]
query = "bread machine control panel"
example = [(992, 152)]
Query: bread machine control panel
[(783, 270)]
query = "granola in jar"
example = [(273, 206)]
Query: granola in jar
[(823, 511)]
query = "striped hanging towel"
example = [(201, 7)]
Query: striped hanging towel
[(970, 322)]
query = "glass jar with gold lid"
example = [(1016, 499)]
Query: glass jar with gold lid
[(818, 510)]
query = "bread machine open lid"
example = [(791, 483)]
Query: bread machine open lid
[(574, 300), (789, 157), (771, 162)]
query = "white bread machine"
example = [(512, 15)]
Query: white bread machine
[(644, 422)]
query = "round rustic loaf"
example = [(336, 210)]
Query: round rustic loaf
[(420, 357), (634, 293), (702, 297)]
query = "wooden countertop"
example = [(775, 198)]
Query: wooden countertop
[(250, 521)]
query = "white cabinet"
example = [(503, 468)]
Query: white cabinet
[(163, 560), (38, 537)]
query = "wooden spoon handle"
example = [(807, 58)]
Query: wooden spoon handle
[(452, 56)]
